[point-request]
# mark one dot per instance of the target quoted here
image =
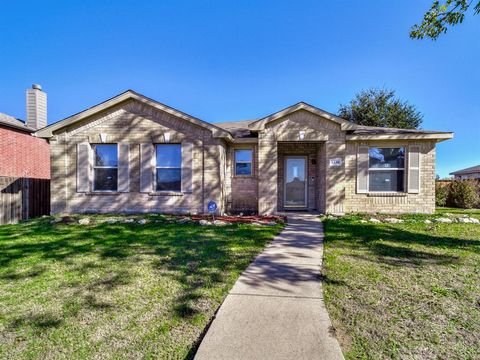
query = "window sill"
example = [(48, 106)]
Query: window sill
[(244, 176), (108, 193), (387, 194), (167, 193)]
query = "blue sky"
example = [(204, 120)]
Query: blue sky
[(232, 60)]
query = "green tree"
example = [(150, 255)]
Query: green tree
[(441, 15), (380, 107)]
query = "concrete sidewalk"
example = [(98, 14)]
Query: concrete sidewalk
[(275, 309)]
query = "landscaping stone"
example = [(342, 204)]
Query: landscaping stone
[(204, 222), (142, 221), (129, 221), (84, 221), (393, 220), (67, 220), (468, 220), (219, 223), (443, 220), (183, 220), (373, 220), (428, 221)]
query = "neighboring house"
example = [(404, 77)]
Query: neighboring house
[(24, 162), (468, 173), (133, 154)]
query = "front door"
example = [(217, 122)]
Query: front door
[(295, 192)]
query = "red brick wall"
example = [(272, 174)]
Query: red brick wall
[(23, 155)]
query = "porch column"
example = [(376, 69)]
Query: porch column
[(267, 173), (335, 178)]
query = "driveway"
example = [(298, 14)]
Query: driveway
[(275, 310)]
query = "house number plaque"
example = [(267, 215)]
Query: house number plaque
[(335, 162)]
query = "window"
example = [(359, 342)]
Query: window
[(105, 167), (386, 169), (243, 162), (169, 167)]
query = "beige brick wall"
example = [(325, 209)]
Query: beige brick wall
[(316, 130), (135, 123), (423, 202), (267, 172), (331, 188), (335, 186)]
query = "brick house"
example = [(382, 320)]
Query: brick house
[(21, 154), (133, 154), (24, 162)]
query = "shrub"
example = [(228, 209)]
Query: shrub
[(463, 194), (441, 194)]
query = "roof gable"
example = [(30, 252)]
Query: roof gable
[(261, 123), (47, 132)]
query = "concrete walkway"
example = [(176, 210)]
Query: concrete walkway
[(275, 309)]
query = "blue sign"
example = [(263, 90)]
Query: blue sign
[(212, 206)]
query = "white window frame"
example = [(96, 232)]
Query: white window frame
[(235, 162), (389, 169), (167, 167), (94, 146)]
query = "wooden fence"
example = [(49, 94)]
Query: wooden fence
[(23, 198)]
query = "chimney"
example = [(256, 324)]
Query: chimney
[(36, 107)]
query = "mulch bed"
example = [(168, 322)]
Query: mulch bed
[(242, 219)]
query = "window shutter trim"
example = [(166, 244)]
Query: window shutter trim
[(362, 169), (187, 166), (83, 167), (146, 168), (123, 167), (414, 169)]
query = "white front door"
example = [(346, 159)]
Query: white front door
[(295, 189)]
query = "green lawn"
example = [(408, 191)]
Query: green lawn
[(120, 290), (404, 291)]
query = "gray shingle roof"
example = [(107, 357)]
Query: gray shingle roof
[(239, 129), (15, 123), (470, 170), (373, 130)]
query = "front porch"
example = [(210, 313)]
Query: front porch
[(301, 176)]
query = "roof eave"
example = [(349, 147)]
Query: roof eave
[(432, 136), (17, 127)]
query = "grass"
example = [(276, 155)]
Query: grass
[(404, 291), (120, 290), (449, 210)]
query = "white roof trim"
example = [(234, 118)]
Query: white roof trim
[(432, 136)]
